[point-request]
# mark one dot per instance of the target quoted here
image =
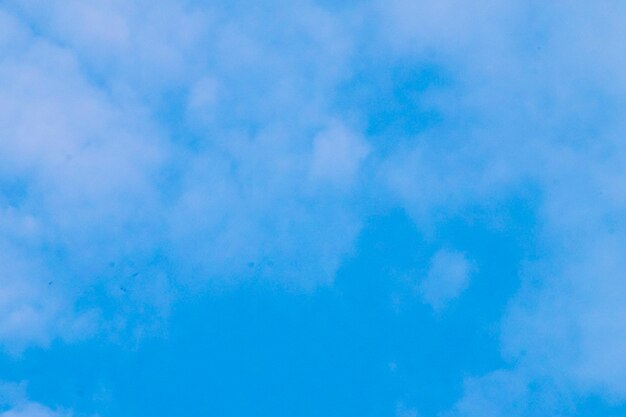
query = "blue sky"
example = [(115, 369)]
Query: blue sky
[(392, 208)]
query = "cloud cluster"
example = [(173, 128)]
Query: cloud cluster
[(535, 103), (150, 146)]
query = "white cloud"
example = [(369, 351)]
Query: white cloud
[(499, 394), (84, 167), (337, 155), (259, 222), (33, 308), (14, 403), (139, 46), (507, 393), (33, 410), (102, 180), (448, 276), (533, 102), (122, 188)]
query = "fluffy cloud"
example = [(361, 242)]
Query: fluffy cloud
[(532, 104), (140, 155), (337, 154), (31, 308), (447, 277), (78, 179)]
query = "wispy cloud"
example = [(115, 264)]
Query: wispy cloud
[(14, 403)]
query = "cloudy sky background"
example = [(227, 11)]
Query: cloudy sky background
[(294, 208)]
